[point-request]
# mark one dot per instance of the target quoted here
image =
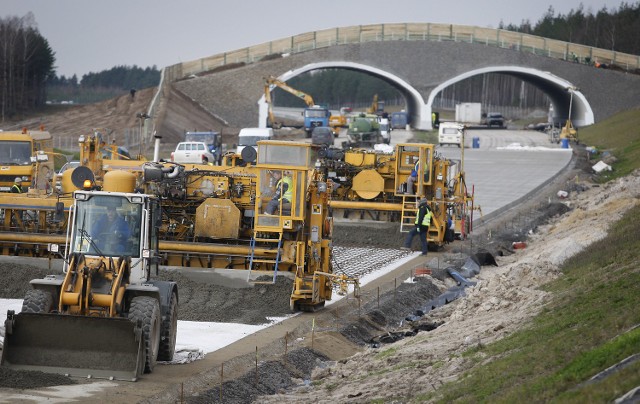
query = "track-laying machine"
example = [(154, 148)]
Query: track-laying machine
[(370, 184), (212, 216), (104, 316), (219, 218)]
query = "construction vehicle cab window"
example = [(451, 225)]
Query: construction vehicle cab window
[(102, 229), (279, 188), (411, 162), (15, 153)]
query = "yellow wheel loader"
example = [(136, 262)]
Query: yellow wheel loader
[(104, 317)]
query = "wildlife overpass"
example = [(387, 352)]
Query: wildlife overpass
[(420, 60)]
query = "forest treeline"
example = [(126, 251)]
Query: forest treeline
[(94, 87), (26, 62), (616, 30), (28, 77)]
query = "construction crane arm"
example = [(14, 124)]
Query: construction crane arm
[(272, 81)]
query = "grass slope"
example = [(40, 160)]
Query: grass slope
[(619, 135), (592, 323)]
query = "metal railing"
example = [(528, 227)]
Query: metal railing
[(407, 32)]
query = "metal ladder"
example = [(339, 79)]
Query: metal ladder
[(253, 259), (409, 212)]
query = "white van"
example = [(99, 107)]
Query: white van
[(385, 130), (450, 133), (251, 136)]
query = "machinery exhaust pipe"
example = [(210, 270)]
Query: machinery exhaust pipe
[(156, 147)]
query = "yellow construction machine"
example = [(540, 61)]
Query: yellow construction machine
[(213, 216), (313, 115), (372, 185), (31, 220), (218, 217), (376, 107), (569, 132), (104, 317), (339, 121), (271, 82), (27, 155)]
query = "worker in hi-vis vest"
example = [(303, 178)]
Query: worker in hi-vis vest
[(284, 191), (423, 221)]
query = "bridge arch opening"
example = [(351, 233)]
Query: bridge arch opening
[(415, 103), (566, 99)]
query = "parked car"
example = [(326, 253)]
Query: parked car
[(450, 133), (495, 119), (69, 165), (192, 152), (322, 135)]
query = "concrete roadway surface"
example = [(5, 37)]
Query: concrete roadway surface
[(506, 167)]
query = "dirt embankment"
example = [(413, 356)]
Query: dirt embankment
[(118, 118), (71, 121)]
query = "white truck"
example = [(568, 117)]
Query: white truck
[(469, 113), (450, 133), (251, 136), (385, 130)]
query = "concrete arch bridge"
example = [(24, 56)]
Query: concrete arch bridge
[(420, 60)]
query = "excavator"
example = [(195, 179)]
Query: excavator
[(271, 82), (569, 132), (376, 107), (314, 115)]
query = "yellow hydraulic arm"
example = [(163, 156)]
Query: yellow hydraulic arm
[(271, 82)]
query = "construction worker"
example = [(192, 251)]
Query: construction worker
[(411, 179), (283, 191), (17, 187), (111, 231), (423, 221)]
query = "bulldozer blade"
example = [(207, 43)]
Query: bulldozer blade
[(77, 346)]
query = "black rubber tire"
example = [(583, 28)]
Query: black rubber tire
[(147, 310), (37, 301), (169, 331)]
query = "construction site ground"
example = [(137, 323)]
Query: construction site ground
[(299, 358), (338, 345)]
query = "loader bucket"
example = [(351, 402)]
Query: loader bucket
[(78, 346)]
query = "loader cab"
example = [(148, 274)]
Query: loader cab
[(114, 225), (282, 180), (408, 154)]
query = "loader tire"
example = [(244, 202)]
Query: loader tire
[(37, 301), (147, 310), (169, 332)]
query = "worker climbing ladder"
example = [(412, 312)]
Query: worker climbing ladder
[(409, 212)]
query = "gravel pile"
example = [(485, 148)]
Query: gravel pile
[(272, 377)]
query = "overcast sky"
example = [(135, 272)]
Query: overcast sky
[(90, 36)]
